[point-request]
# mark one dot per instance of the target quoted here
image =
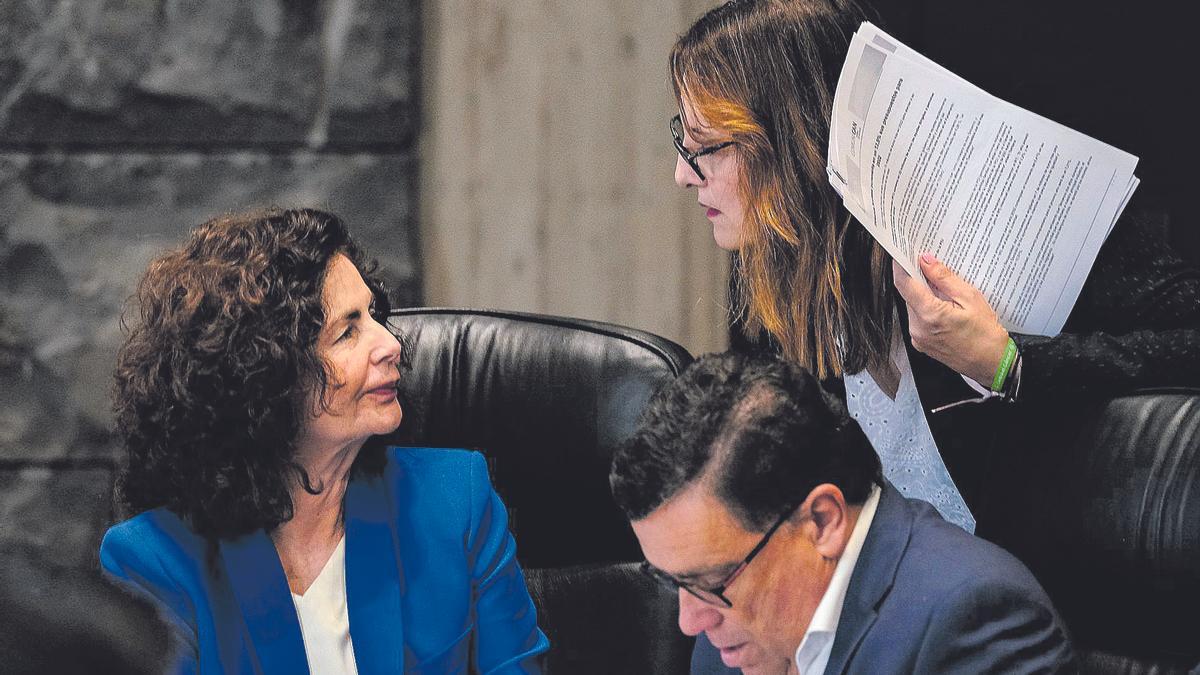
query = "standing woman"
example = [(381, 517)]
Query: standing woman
[(272, 531), (755, 81)]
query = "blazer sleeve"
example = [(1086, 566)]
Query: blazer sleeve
[(507, 639), (129, 557), (1136, 323), (994, 628)]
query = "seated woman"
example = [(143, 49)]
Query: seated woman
[(273, 533)]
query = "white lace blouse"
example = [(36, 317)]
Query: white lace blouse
[(900, 434)]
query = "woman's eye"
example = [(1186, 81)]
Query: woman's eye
[(346, 334)]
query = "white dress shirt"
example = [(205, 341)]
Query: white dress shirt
[(325, 621), (813, 653)]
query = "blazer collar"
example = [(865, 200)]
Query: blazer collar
[(261, 590), (373, 590), (374, 583), (873, 575)]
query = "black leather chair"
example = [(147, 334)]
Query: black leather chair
[(1107, 515), (546, 400), (1106, 512)]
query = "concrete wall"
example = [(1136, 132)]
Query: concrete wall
[(547, 166), (124, 123)]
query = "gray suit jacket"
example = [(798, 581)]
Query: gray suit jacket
[(926, 597)]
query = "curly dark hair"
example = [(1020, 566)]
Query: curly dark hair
[(219, 374), (760, 428)]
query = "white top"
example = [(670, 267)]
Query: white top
[(900, 434), (324, 620), (813, 653)]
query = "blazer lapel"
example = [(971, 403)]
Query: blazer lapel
[(260, 587), (373, 579), (874, 574)]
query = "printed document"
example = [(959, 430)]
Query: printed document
[(1015, 203)]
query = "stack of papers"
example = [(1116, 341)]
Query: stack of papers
[(1015, 203)]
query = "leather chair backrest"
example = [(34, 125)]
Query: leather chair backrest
[(547, 400), (1107, 515)]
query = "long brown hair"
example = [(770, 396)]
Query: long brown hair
[(764, 73)]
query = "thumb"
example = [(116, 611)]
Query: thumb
[(942, 280), (915, 294)]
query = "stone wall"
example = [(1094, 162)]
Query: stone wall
[(124, 123)]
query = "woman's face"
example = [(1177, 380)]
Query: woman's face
[(717, 192), (361, 356)]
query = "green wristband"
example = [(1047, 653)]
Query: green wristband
[(1010, 355)]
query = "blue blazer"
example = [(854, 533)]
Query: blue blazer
[(926, 597), (432, 581)]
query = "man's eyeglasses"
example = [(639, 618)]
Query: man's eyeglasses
[(715, 595), (690, 157)]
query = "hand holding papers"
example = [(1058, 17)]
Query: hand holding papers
[(1014, 203)]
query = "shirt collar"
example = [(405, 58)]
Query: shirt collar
[(825, 619)]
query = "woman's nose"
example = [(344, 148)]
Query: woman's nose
[(685, 175), (388, 348)]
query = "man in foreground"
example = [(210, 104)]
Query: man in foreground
[(752, 492)]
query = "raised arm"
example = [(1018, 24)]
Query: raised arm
[(1136, 323)]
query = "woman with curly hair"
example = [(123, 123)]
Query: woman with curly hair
[(271, 530)]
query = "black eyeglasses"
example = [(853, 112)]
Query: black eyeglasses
[(715, 595), (690, 157)]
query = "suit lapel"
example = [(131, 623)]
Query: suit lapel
[(373, 579), (260, 587), (874, 574)]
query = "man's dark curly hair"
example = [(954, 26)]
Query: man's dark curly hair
[(761, 431), (221, 371)]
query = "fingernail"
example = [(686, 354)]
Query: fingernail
[(928, 258)]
